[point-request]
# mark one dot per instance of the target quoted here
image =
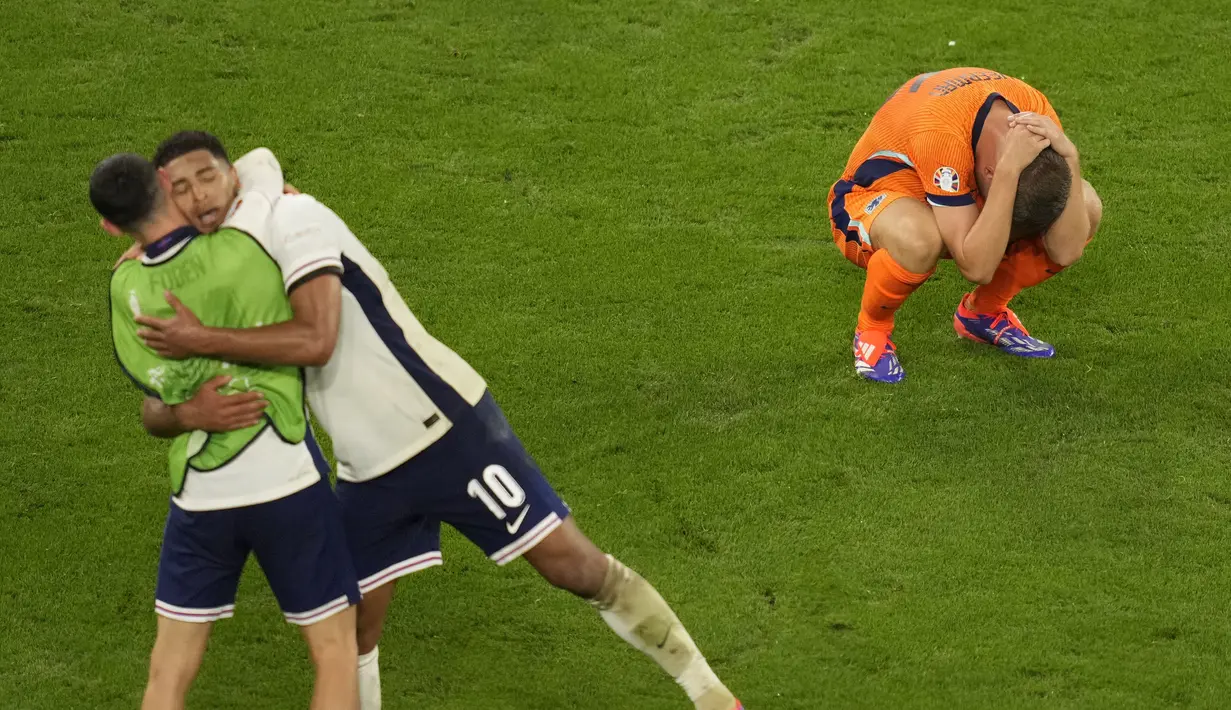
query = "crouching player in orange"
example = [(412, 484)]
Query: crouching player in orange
[(967, 164)]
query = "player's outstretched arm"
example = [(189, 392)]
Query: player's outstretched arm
[(209, 410), (307, 340), (977, 239)]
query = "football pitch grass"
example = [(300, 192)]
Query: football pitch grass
[(616, 212)]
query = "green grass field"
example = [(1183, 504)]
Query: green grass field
[(616, 212)]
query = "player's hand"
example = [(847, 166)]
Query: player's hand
[(1021, 147), (210, 410), (1041, 125), (177, 337), (289, 189), (136, 251)]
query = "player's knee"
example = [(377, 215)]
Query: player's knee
[(922, 250), (334, 655), (171, 673), (569, 572), (908, 231), (331, 642), (1094, 206), (570, 562), (370, 616), (368, 631)]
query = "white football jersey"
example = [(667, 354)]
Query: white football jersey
[(390, 389)]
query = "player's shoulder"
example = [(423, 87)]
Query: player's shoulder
[(225, 233), (299, 207), (124, 274), (233, 254), (137, 270), (229, 239), (303, 214)]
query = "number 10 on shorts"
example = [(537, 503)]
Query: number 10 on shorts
[(498, 485)]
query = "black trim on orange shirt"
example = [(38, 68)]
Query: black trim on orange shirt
[(950, 200), (981, 118)]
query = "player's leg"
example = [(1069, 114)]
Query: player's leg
[(984, 315), (906, 228), (569, 560), (388, 539), (633, 609), (174, 662), (331, 645), (198, 573), (896, 239), (301, 547), (508, 509), (370, 626), (371, 619)]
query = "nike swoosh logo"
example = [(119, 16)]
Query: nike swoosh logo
[(514, 526), (666, 638)]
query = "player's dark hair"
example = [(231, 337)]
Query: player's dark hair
[(186, 142), (124, 189), (1042, 192)]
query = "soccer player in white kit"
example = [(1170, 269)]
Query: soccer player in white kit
[(418, 438)]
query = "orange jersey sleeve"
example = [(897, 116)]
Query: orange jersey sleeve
[(946, 168)]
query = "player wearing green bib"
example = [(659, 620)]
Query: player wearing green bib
[(255, 489), (253, 295)]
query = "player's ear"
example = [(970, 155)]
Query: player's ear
[(110, 228), (983, 179), (164, 181)]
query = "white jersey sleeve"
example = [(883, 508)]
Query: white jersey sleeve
[(260, 172), (260, 186), (301, 234), (306, 239)]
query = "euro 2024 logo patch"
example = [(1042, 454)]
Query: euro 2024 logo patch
[(947, 180)]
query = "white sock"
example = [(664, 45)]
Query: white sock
[(369, 680), (638, 614)]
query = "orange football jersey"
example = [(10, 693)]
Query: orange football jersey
[(930, 127)]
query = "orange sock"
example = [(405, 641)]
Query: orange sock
[(1026, 264), (885, 290)]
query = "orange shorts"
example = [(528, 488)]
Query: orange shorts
[(853, 207)]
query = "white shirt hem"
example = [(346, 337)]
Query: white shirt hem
[(266, 496)]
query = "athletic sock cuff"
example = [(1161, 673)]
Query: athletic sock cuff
[(900, 272)]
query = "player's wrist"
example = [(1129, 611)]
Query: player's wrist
[(204, 342), (1008, 172), (185, 416)]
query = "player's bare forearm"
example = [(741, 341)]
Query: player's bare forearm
[(159, 419), (209, 410), (288, 343), (307, 340), (1066, 239), (977, 251)]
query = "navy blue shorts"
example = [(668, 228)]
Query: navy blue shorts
[(298, 541), (477, 478)]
